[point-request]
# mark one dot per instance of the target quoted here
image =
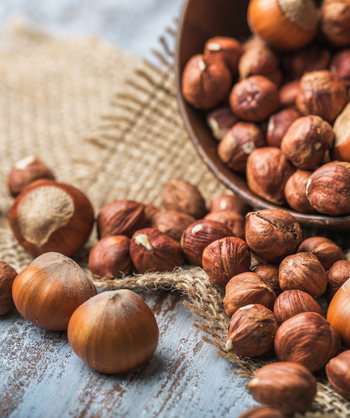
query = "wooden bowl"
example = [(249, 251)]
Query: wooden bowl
[(201, 20)]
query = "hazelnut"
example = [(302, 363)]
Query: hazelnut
[(229, 202), (289, 93), (110, 257), (246, 289), (234, 221), (221, 120), (294, 302), (7, 277), (25, 172), (279, 124), (198, 236), (328, 189), (335, 22), (263, 412), (338, 373), (172, 223), (341, 128), (150, 211), (121, 217), (269, 273), (306, 141), (337, 275), (267, 173), (324, 249), (295, 192), (206, 81), (151, 250), (251, 331), (285, 385), (340, 65), (254, 99), (227, 49), (225, 258), (307, 339), (303, 271), (272, 234), (184, 197), (238, 143), (321, 93)]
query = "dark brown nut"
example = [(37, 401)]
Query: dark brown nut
[(294, 302), (340, 65), (295, 192), (150, 211), (238, 143), (321, 93), (285, 385), (269, 273), (324, 249), (272, 234), (226, 49), (303, 271), (246, 289), (341, 128), (182, 196), (267, 173), (151, 250), (263, 412), (110, 257), (172, 223), (337, 275), (122, 217), (335, 22), (306, 141), (255, 98), (279, 124), (221, 120), (289, 93), (338, 373), (231, 219), (25, 172), (199, 235), (251, 332), (205, 81), (7, 277), (328, 189), (229, 202), (225, 258)]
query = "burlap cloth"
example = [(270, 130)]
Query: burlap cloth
[(109, 125)]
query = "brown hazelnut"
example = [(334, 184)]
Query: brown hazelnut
[(231, 219), (182, 196), (227, 49), (172, 223), (225, 258), (335, 22), (294, 302), (295, 192), (272, 234), (205, 81), (255, 98), (25, 172), (238, 143), (289, 93), (7, 277), (229, 202), (110, 257), (151, 250), (324, 249), (199, 235), (221, 120), (341, 128), (306, 141), (307, 339), (338, 373), (337, 275), (251, 331), (285, 385), (121, 217), (269, 273), (268, 170), (263, 412), (321, 93), (279, 124), (328, 189), (340, 65), (150, 211), (246, 289)]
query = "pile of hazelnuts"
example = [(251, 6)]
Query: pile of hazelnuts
[(278, 103)]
